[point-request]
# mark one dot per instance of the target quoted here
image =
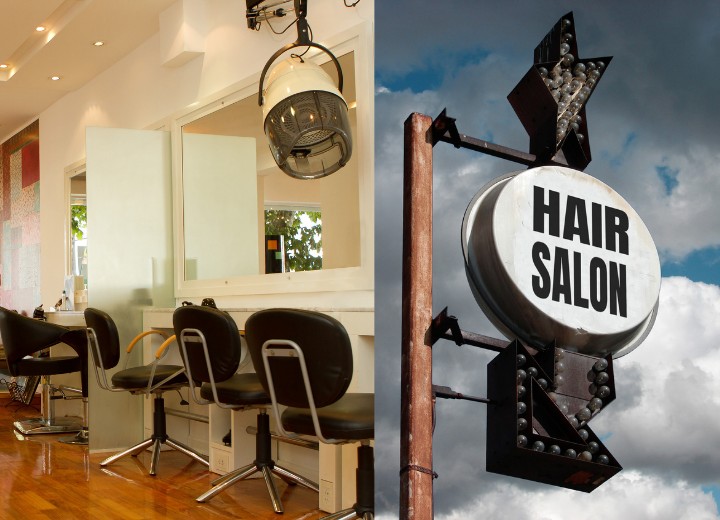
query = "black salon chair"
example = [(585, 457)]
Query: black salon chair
[(24, 337), (304, 360), (156, 379), (210, 344)]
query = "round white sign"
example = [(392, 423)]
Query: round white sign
[(553, 254)]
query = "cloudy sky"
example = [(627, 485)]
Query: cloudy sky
[(654, 124)]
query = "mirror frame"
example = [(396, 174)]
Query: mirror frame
[(359, 40)]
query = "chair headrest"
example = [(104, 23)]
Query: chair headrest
[(325, 345), (222, 337), (107, 336)]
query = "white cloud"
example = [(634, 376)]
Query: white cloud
[(631, 495), (672, 424)]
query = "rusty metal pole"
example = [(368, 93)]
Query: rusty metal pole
[(416, 475)]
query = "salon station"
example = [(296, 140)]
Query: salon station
[(186, 291)]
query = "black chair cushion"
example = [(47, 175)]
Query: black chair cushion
[(23, 336), (46, 366), (350, 418), (137, 378), (240, 390)]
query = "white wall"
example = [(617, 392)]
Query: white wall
[(137, 92)]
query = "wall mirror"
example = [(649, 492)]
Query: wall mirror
[(76, 237), (245, 227)]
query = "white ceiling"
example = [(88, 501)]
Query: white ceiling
[(65, 48)]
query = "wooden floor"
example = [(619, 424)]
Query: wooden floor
[(41, 478)]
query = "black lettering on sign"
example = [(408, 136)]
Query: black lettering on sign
[(561, 276), (608, 222), (541, 283), (578, 301), (618, 293), (576, 223), (616, 228), (596, 230), (607, 289), (604, 227), (598, 284), (551, 209)]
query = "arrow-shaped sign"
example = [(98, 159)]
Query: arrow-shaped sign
[(538, 417)]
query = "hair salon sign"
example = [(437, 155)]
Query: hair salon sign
[(552, 253)]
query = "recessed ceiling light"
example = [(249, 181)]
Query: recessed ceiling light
[(55, 78), (3, 66), (40, 28), (99, 43)]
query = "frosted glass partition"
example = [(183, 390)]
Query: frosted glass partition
[(130, 256), (220, 206)]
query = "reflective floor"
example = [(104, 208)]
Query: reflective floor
[(42, 478)]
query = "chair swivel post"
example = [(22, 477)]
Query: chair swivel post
[(364, 507), (263, 444), (365, 481), (159, 421)]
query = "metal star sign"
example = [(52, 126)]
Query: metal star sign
[(550, 99)]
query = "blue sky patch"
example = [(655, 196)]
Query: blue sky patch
[(702, 265), (617, 160), (418, 80), (668, 176), (714, 491), (431, 74)]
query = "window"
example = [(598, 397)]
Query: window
[(293, 240)]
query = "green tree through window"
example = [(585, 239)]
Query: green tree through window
[(78, 221), (303, 237)]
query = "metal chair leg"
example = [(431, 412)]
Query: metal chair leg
[(227, 481), (134, 451), (345, 514), (290, 476), (272, 490)]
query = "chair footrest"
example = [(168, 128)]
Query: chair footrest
[(39, 426)]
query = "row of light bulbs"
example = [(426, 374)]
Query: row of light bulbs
[(598, 377), (570, 84)]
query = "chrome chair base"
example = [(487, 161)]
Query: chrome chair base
[(222, 483), (81, 439), (348, 514), (156, 444), (263, 464), (40, 426)]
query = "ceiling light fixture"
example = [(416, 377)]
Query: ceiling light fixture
[(40, 28), (3, 66), (55, 78), (305, 115), (99, 43)]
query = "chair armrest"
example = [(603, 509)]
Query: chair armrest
[(162, 349), (140, 336)]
